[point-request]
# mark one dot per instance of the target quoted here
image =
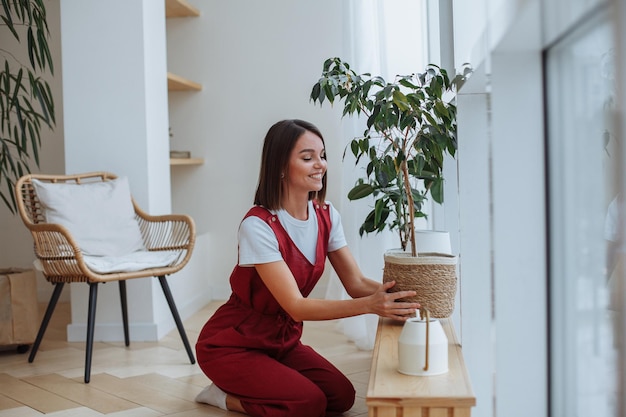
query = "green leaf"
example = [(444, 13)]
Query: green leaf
[(327, 64), (9, 24), (328, 92), (384, 176), (436, 190), (354, 146), (406, 82), (364, 145), (368, 225), (360, 191), (441, 110), (431, 119), (315, 92), (379, 209), (400, 100)]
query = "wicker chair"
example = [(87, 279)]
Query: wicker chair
[(63, 262)]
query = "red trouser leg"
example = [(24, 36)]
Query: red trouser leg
[(301, 383), (336, 386)]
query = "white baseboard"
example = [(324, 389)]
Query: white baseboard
[(138, 332), (113, 332)]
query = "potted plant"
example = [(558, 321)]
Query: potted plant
[(410, 127), (26, 106), (26, 99)]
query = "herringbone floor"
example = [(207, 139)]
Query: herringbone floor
[(143, 380)]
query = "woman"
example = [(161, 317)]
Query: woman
[(250, 348)]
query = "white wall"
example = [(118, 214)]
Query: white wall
[(470, 31), (115, 94), (519, 245), (115, 104), (256, 68), (475, 261)]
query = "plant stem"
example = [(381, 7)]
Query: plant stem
[(409, 196)]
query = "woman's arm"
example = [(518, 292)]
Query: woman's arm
[(356, 284), (372, 296)]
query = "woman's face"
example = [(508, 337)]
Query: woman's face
[(307, 164)]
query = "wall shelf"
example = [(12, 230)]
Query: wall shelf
[(180, 8), (186, 161), (178, 83)]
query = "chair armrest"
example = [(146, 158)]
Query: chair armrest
[(57, 250), (166, 232)]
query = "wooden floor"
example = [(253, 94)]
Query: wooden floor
[(143, 380)]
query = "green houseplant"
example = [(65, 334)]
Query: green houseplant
[(410, 127), (26, 103)]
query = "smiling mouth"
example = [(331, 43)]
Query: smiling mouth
[(317, 176)]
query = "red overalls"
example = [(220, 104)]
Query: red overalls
[(251, 347)]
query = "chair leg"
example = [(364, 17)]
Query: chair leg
[(58, 288), (91, 321), (124, 311), (179, 323)]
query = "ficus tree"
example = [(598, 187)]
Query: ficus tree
[(410, 126)]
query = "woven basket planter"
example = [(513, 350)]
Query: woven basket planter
[(431, 275)]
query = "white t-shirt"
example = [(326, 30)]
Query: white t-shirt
[(258, 243)]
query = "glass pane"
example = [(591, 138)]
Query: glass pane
[(559, 15), (582, 162)]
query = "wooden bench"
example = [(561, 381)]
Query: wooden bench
[(392, 394)]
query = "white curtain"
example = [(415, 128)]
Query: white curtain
[(386, 38)]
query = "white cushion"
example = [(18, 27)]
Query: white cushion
[(135, 261), (99, 215)]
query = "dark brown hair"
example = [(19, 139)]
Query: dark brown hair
[(279, 141)]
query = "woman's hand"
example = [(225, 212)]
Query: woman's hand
[(374, 299), (385, 303)]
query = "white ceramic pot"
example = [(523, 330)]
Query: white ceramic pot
[(422, 347), (432, 241)]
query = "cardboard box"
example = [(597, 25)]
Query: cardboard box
[(19, 310)]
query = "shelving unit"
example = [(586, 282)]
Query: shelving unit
[(175, 9), (180, 8), (178, 83), (186, 161)]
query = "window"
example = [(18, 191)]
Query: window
[(584, 218)]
